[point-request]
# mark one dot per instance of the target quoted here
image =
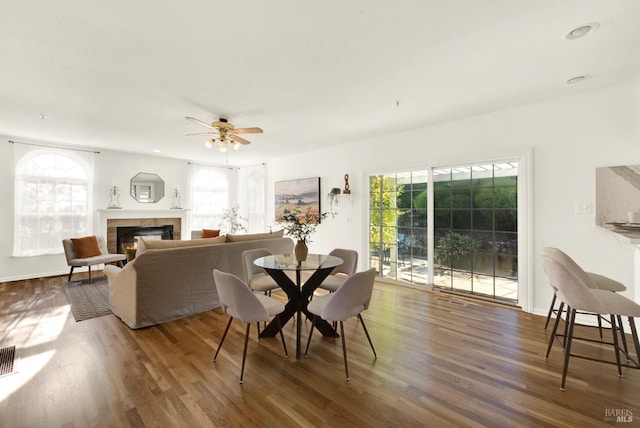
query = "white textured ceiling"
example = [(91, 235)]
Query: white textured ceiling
[(123, 74)]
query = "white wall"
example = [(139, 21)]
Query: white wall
[(569, 136)]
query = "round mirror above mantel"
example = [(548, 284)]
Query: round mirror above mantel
[(147, 188)]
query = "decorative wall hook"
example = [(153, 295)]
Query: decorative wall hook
[(346, 190)]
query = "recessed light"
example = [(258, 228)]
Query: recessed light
[(576, 79), (582, 31), (157, 150), (43, 116)]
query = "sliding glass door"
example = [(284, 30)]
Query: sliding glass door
[(473, 215)]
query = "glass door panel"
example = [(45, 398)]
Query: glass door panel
[(398, 226)]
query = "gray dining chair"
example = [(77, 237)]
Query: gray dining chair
[(256, 277), (238, 301), (338, 276), (348, 301)]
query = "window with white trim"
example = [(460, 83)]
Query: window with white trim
[(52, 194)]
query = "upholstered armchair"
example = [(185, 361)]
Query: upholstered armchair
[(88, 251)]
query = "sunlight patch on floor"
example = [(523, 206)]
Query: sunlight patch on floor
[(34, 335)]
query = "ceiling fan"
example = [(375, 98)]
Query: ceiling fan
[(227, 132)]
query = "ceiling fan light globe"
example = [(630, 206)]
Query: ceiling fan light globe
[(223, 146), (236, 146)]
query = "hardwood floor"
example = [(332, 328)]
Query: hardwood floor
[(442, 361)]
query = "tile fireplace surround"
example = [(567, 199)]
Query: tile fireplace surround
[(109, 220)]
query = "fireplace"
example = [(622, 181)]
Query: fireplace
[(127, 236), (112, 226)]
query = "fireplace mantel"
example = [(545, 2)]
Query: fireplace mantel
[(108, 214)]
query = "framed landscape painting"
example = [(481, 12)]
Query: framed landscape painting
[(298, 195)]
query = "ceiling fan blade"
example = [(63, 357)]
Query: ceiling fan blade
[(254, 130), (199, 122), (238, 139), (200, 133)]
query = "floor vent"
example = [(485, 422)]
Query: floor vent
[(7, 355)]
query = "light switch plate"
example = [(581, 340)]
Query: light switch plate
[(584, 208)]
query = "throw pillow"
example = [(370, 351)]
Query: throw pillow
[(254, 236), (86, 247), (210, 233)]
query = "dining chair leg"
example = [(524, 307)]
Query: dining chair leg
[(571, 319), (554, 331), (286, 354), (70, 273), (616, 345), (344, 349), (553, 302), (258, 326), (244, 353), (367, 333), (90, 281), (313, 324), (224, 335)]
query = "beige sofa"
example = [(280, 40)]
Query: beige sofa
[(168, 280)]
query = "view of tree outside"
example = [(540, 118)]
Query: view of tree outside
[(383, 218), (398, 226), (475, 228)]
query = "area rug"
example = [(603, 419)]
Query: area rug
[(88, 300)]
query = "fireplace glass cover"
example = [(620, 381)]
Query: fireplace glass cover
[(127, 237)]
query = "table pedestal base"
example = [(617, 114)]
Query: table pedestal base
[(298, 301)]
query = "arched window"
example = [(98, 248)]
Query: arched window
[(209, 197), (52, 194)]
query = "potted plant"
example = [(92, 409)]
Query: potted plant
[(334, 197), (301, 226), (231, 221), (453, 247)]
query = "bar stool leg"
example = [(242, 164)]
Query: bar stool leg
[(571, 319)]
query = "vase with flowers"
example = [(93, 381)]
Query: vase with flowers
[(301, 226)]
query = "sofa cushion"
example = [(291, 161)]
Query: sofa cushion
[(86, 246), (255, 236), (210, 233), (158, 244)]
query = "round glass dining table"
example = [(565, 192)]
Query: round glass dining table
[(280, 267)]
